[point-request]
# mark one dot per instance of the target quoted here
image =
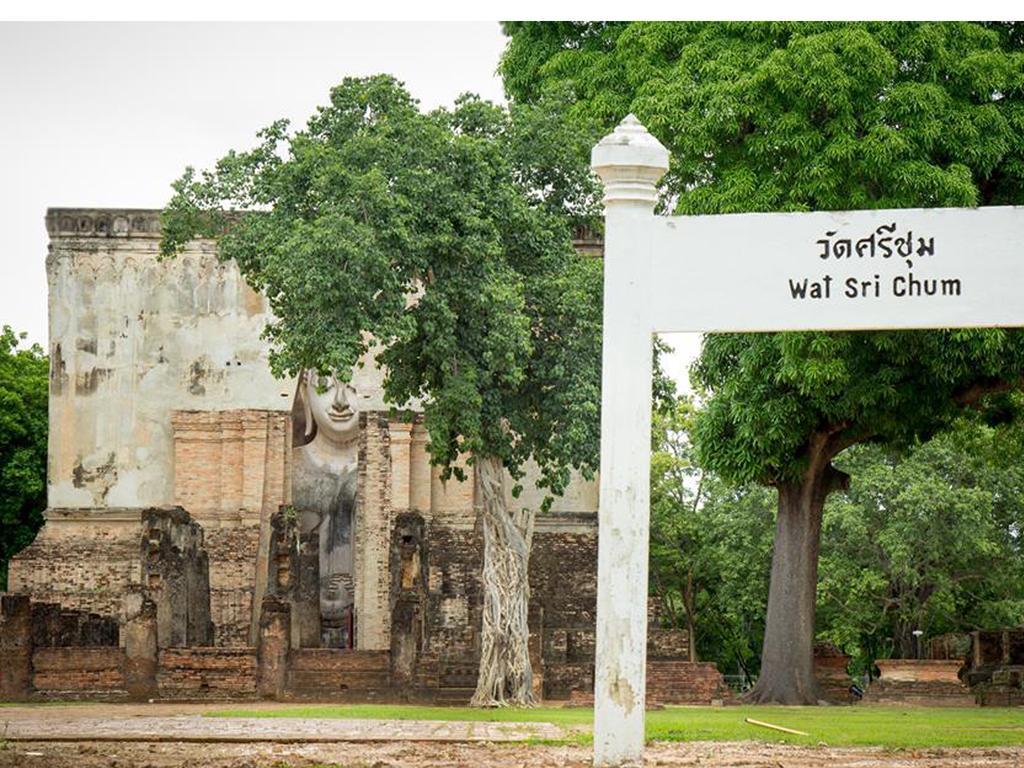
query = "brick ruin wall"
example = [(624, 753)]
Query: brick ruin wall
[(563, 596), (919, 682), (53, 651), (82, 559), (232, 472), (72, 673), (319, 673), (47, 651), (995, 667), (207, 673)]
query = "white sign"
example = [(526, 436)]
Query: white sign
[(851, 270), (934, 268)]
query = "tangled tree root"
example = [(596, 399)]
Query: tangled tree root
[(506, 676)]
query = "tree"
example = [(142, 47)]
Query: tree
[(794, 117), (710, 548), (24, 391), (442, 242), (928, 542), (677, 566)]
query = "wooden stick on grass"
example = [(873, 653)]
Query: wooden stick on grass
[(776, 727)]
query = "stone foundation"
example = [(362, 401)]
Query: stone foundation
[(78, 673), (329, 674), (995, 667), (919, 682), (207, 673), (830, 665), (685, 682)]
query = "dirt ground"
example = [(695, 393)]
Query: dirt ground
[(436, 755), (388, 744)]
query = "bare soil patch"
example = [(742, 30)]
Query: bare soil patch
[(422, 755)]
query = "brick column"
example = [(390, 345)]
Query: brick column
[(140, 646), (401, 451), (15, 647), (419, 472), (274, 647)]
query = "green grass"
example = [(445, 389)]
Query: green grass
[(891, 727)]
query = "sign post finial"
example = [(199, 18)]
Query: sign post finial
[(630, 161)]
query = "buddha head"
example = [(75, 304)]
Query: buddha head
[(330, 409)]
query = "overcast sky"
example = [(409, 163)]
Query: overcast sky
[(109, 114)]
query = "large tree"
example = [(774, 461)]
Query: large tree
[(442, 242), (24, 382), (793, 117)]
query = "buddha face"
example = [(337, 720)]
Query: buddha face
[(333, 406)]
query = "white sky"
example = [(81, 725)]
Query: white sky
[(108, 114)]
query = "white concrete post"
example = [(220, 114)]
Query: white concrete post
[(629, 161)]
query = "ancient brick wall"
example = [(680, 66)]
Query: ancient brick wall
[(81, 559), (63, 673), (684, 682), (830, 665), (563, 585), (232, 471), (207, 673), (919, 682), (454, 595), (563, 593), (331, 673), (15, 647), (85, 562), (670, 644), (995, 666), (53, 625)]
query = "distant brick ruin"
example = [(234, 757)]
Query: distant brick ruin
[(191, 549)]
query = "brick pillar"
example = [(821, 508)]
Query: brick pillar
[(140, 646), (419, 472), (401, 477), (15, 647), (274, 646)]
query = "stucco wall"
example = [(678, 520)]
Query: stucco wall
[(133, 338)]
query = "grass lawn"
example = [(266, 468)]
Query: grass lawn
[(893, 727)]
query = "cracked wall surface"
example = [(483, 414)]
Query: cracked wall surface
[(133, 338)]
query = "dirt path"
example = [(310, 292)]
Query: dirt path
[(281, 730), (447, 755)]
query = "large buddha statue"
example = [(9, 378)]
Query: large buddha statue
[(324, 493)]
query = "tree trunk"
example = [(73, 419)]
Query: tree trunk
[(787, 656), (505, 677)]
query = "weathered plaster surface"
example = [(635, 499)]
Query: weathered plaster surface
[(133, 338)]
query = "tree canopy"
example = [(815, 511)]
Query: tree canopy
[(710, 549), (804, 116), (24, 388), (928, 540), (442, 241)]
